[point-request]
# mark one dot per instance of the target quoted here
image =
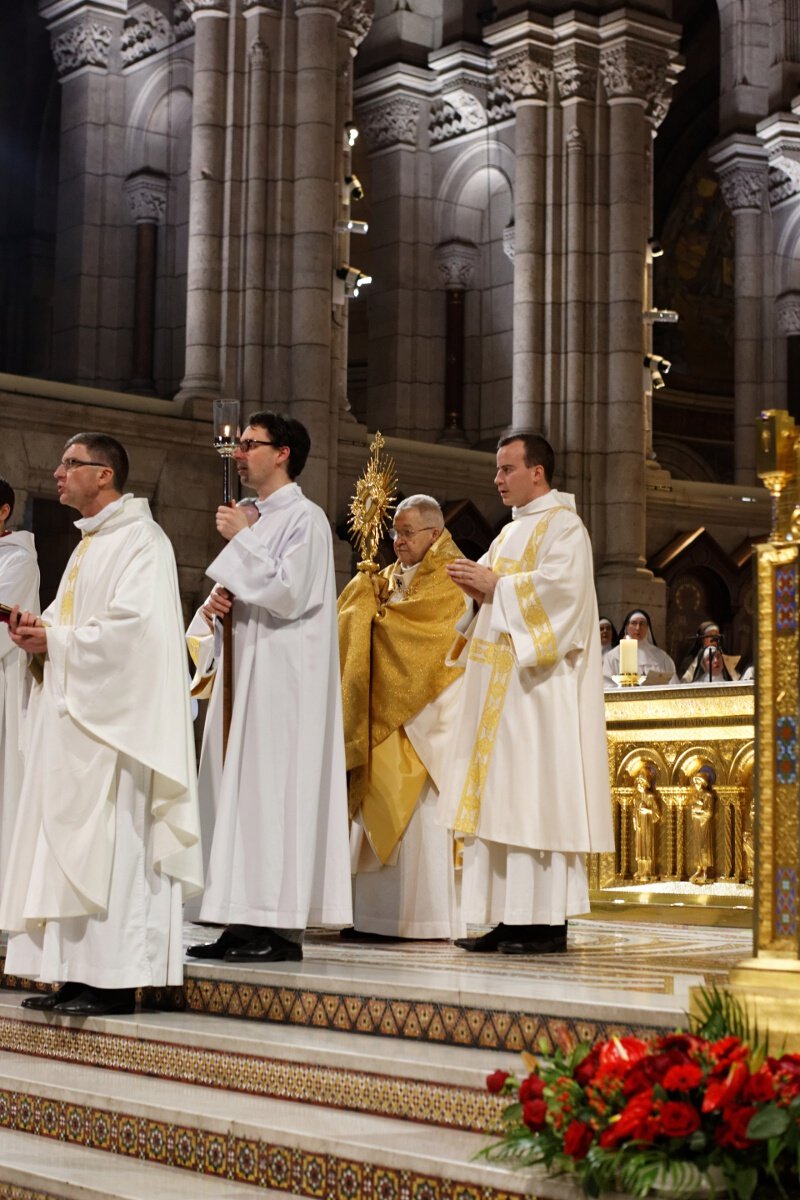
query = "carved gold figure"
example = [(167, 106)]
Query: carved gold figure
[(645, 817)]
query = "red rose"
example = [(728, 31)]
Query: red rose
[(585, 1071), (678, 1119), (759, 1087), (578, 1139), (733, 1131), (495, 1081), (534, 1113), (682, 1078), (531, 1088), (722, 1092)]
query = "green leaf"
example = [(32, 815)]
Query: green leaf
[(769, 1122)]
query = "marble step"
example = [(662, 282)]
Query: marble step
[(264, 1143), (71, 1172), (433, 1085)]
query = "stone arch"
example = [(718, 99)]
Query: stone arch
[(475, 204), (158, 140)]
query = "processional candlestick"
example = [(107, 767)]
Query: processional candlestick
[(227, 418)]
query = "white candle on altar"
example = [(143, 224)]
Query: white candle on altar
[(628, 656)]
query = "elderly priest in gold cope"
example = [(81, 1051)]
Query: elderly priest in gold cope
[(395, 629)]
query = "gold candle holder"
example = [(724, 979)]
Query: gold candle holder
[(629, 679)]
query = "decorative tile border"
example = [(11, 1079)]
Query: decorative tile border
[(12, 1191), (225, 1156), (443, 1105), (417, 1020)]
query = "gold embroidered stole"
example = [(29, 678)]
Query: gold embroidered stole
[(499, 655), (66, 615)]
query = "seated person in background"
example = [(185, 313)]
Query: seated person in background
[(711, 667), (637, 625), (708, 634), (608, 635)]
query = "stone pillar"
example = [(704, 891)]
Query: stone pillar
[(456, 263), (255, 212), (147, 202), (85, 40), (202, 371), (627, 71), (314, 233), (741, 166), (525, 73), (787, 314), (390, 125)]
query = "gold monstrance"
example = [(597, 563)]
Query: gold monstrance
[(371, 504)]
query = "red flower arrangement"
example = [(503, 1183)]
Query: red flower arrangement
[(677, 1112)]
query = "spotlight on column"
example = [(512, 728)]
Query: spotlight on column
[(352, 227), (350, 133), (660, 316), (354, 189), (658, 367), (654, 249), (353, 280)]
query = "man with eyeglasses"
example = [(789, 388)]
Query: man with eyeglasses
[(528, 784), (395, 629), (19, 584), (106, 842), (279, 850)]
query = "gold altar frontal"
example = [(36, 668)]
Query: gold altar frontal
[(681, 768)]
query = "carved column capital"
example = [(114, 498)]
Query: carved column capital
[(787, 314), (84, 43), (146, 32), (270, 6), (146, 192), (525, 73), (632, 71), (509, 241), (576, 69), (390, 121), (356, 18), (743, 185), (456, 262)]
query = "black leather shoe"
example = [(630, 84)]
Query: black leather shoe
[(44, 1001), (226, 941), (488, 943), (268, 947), (358, 935), (539, 945), (99, 1002)]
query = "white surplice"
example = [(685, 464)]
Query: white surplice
[(414, 895), (279, 855), (106, 842), (19, 584), (528, 777)]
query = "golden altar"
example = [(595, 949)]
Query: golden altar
[(681, 764)]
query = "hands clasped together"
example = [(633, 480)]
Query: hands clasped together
[(27, 631)]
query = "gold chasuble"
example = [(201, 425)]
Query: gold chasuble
[(393, 665)]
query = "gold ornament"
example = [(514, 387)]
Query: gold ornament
[(370, 507)]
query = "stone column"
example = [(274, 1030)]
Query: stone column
[(147, 202), (255, 212), (787, 314), (741, 166), (314, 233), (525, 73), (390, 126), (456, 262), (202, 371), (85, 39), (630, 74)]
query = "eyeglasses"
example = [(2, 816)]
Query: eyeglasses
[(70, 464), (394, 534), (248, 444)]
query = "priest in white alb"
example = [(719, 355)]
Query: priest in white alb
[(527, 786), (106, 841), (279, 857), (19, 585)]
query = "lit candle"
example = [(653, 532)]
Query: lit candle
[(628, 656), (226, 432)]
